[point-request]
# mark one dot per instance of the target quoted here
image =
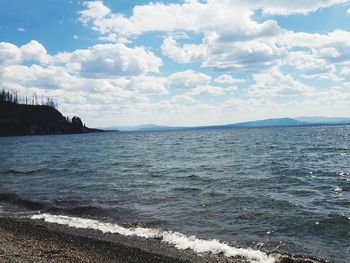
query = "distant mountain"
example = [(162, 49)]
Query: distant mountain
[(275, 122), (278, 122), (324, 120), (143, 127)]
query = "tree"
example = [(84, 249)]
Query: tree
[(77, 121)]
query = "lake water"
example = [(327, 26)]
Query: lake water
[(284, 189)]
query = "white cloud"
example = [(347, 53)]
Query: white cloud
[(20, 29), (230, 89), (292, 7), (231, 20), (94, 10), (149, 17), (345, 73), (312, 67), (35, 51), (273, 83), (183, 100), (188, 79), (233, 40), (333, 47), (148, 84), (36, 76), (211, 15), (249, 56), (111, 60), (228, 79), (9, 54), (206, 89), (114, 38), (185, 54)]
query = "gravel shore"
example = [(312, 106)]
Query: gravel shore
[(26, 241), (23, 240)]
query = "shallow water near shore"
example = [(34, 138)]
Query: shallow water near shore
[(275, 189)]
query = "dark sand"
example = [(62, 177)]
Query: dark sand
[(40, 242)]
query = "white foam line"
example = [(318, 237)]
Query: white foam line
[(176, 239)]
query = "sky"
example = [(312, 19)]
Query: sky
[(180, 62)]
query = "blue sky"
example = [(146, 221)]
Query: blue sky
[(179, 62)]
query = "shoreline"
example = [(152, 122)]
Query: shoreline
[(36, 241), (26, 240)]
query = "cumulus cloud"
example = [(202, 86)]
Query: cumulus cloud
[(149, 17), (94, 10), (249, 56), (226, 26), (108, 60), (206, 89), (33, 51), (183, 100), (36, 76), (209, 15), (185, 54), (232, 40), (291, 7), (332, 47), (345, 73), (188, 79), (273, 83), (9, 54), (148, 84), (310, 66), (228, 79)]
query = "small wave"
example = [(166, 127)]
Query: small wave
[(21, 172), (341, 173), (24, 172), (337, 189), (187, 189), (77, 210), (16, 200), (176, 239)]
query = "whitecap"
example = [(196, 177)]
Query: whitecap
[(337, 189), (176, 239)]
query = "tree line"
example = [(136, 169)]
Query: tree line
[(17, 98)]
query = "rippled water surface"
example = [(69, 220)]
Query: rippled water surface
[(285, 189)]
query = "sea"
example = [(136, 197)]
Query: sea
[(238, 192)]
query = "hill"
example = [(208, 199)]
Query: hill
[(275, 122), (143, 127), (325, 120), (21, 119)]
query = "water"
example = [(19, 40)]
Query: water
[(284, 189)]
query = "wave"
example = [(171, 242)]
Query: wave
[(176, 239), (24, 172), (77, 210), (16, 200), (20, 172), (186, 189), (72, 208)]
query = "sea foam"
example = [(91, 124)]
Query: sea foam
[(176, 239)]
